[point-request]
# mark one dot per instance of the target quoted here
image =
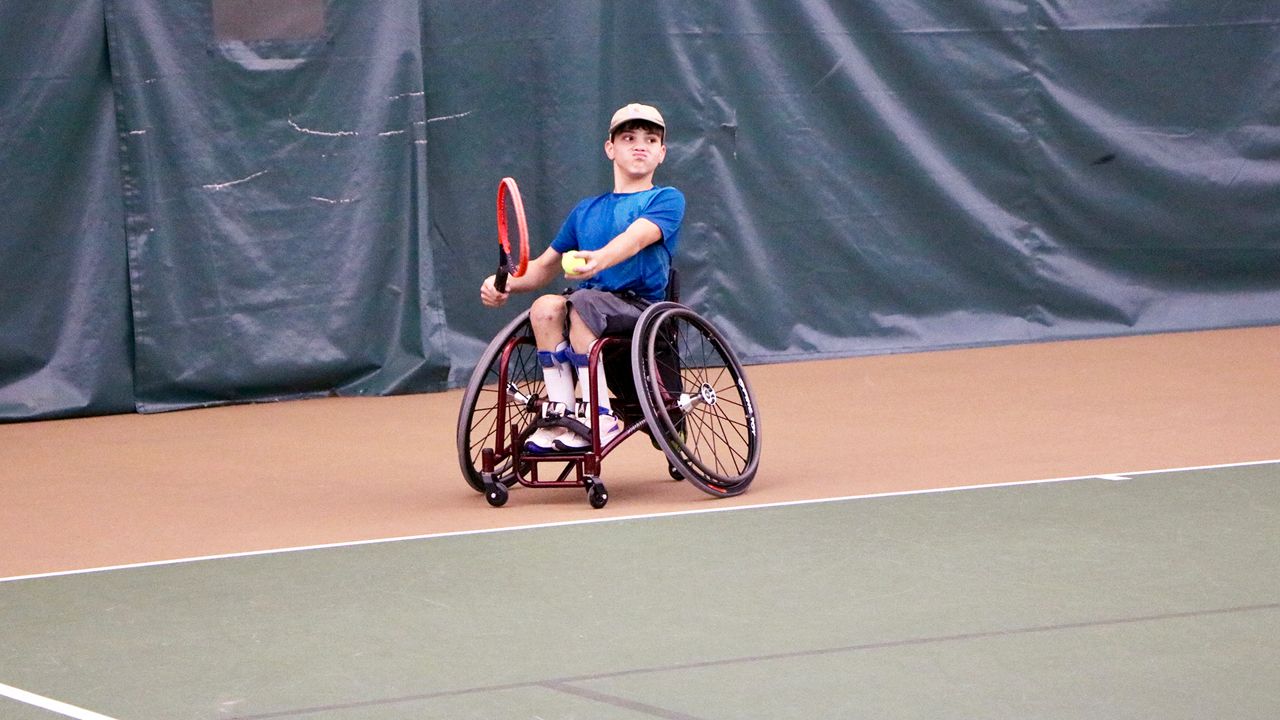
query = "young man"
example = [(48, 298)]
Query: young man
[(627, 239)]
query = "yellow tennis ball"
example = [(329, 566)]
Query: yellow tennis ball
[(572, 263)]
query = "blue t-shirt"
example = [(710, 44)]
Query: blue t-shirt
[(597, 220)]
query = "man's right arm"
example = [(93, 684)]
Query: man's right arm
[(540, 272)]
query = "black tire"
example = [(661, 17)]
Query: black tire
[(478, 415), (696, 399), (597, 495), (497, 497)]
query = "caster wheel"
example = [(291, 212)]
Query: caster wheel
[(674, 473), (597, 495), (496, 495)]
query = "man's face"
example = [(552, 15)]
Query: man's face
[(636, 152)]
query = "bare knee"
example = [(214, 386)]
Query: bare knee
[(547, 316), (548, 308)]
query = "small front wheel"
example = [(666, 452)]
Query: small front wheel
[(597, 495), (496, 494)]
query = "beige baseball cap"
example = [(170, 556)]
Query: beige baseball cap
[(636, 111)]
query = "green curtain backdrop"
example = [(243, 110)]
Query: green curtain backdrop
[(229, 201), (64, 294), (274, 200)]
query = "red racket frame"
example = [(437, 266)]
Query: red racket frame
[(508, 188)]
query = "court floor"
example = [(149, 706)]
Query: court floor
[(1151, 595), (900, 554), (104, 491)]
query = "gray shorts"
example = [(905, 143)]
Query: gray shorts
[(606, 313)]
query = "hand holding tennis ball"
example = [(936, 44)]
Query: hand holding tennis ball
[(571, 263)]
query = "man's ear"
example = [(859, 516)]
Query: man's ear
[(608, 148)]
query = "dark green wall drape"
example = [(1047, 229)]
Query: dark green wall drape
[(202, 211)]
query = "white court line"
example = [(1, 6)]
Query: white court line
[(49, 704), (700, 511)]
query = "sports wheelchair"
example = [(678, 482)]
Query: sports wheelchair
[(674, 379)]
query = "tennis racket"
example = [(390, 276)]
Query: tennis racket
[(509, 195)]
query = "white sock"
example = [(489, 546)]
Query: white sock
[(584, 382), (558, 375)]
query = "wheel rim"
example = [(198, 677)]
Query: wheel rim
[(478, 416), (700, 402)]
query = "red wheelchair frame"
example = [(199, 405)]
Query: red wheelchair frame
[(690, 396)]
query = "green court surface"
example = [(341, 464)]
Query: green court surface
[(1149, 596)]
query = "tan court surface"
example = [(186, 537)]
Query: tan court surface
[(124, 489)]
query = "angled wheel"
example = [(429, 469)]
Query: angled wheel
[(696, 399), (597, 495), (485, 404), (497, 495)]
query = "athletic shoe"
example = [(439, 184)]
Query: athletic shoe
[(571, 441), (544, 440)]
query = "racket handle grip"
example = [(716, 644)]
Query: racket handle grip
[(500, 280)]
